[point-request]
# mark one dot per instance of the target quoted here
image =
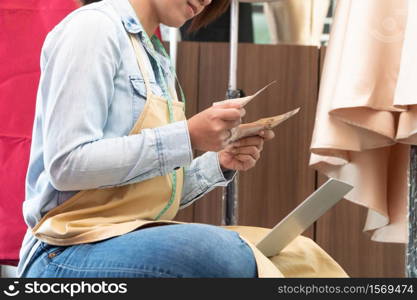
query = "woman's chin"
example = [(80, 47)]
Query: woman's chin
[(175, 23)]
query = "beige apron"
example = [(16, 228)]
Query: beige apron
[(98, 214)]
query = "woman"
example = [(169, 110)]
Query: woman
[(112, 152)]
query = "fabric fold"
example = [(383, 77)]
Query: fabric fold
[(367, 114)]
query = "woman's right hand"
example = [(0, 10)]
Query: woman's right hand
[(210, 129)]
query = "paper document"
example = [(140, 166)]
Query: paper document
[(250, 129), (245, 100)]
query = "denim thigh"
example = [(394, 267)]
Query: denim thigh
[(180, 250)]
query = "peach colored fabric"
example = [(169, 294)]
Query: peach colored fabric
[(367, 113), (296, 21)]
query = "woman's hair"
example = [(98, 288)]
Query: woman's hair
[(214, 10), (85, 2)]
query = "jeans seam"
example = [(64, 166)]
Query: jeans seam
[(243, 241), (45, 269), (116, 270), (246, 245)]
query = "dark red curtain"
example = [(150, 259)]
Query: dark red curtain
[(23, 28)]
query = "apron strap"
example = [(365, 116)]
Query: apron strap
[(174, 72), (141, 63)]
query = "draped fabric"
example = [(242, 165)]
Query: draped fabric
[(296, 21), (367, 111), (24, 25)]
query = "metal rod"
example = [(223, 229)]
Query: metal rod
[(411, 257), (234, 33), (230, 193)]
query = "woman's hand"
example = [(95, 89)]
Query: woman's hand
[(210, 129), (243, 154)]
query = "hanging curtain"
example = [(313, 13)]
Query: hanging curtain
[(24, 25), (367, 111)]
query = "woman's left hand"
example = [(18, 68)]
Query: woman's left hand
[(243, 154)]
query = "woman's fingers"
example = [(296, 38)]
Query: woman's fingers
[(253, 151), (267, 134), (232, 124), (250, 141), (247, 161), (230, 114)]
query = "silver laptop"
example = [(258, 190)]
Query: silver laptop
[(303, 216)]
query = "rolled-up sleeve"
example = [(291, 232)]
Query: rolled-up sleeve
[(79, 63)]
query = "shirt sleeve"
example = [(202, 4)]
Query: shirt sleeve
[(79, 61), (202, 176)]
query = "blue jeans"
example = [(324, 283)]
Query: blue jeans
[(180, 250)]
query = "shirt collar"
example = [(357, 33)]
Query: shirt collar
[(131, 22), (128, 16)]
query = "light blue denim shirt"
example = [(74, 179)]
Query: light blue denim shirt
[(90, 94)]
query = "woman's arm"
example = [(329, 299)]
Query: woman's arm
[(202, 176), (79, 63)]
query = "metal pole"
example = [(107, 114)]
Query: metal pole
[(234, 33), (230, 193), (411, 264)]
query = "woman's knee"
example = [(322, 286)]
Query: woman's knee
[(218, 252)]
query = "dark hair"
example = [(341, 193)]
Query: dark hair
[(85, 2), (214, 10)]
